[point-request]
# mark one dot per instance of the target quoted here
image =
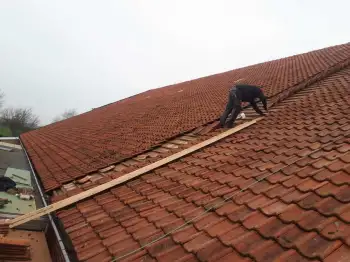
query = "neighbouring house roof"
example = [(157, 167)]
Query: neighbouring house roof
[(70, 149)]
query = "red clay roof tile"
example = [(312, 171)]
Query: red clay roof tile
[(213, 251), (101, 257), (124, 246)]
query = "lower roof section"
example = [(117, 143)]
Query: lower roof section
[(276, 191)]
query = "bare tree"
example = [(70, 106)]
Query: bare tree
[(2, 95), (69, 113), (65, 115), (19, 120)]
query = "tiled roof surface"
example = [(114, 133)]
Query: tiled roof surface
[(72, 148), (14, 249), (281, 189)]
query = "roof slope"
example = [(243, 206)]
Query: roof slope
[(280, 188), (69, 149)]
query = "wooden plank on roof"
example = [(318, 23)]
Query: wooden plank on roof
[(93, 191)]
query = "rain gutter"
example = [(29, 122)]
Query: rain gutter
[(52, 222)]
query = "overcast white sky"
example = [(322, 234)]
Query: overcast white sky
[(56, 55)]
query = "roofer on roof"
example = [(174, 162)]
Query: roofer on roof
[(241, 93)]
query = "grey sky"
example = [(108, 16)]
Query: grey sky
[(56, 55)]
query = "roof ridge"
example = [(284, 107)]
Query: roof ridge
[(221, 73), (198, 78)]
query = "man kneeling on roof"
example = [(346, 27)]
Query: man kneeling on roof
[(241, 93)]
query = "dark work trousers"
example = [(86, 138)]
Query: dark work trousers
[(233, 106)]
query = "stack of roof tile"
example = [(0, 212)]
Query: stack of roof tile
[(14, 249), (4, 227), (69, 149), (276, 191)]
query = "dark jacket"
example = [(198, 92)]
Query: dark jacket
[(249, 93)]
